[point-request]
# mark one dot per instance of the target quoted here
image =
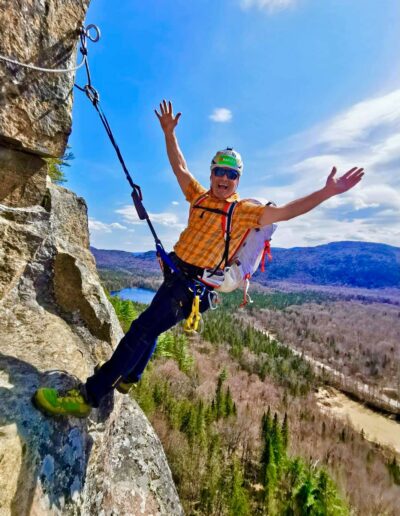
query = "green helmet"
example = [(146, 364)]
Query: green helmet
[(228, 158)]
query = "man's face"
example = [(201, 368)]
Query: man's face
[(223, 187)]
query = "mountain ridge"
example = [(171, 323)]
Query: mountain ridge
[(343, 263)]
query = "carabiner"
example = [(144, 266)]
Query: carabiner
[(213, 299)]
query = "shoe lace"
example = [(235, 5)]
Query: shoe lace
[(70, 394)]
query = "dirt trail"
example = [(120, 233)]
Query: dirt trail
[(377, 427)]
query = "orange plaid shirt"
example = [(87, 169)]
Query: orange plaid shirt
[(202, 243)]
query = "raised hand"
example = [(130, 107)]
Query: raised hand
[(166, 117), (335, 186)]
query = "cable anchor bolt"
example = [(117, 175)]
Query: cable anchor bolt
[(93, 37)]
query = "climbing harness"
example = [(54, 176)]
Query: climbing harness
[(214, 277), (243, 262)]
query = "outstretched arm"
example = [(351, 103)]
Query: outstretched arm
[(168, 123), (295, 208)]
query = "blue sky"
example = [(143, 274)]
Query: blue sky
[(296, 86)]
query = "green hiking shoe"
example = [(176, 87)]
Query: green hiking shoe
[(58, 403), (122, 387), (125, 387)]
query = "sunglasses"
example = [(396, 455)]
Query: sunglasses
[(221, 172)]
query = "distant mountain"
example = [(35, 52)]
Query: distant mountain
[(352, 264), (122, 260)]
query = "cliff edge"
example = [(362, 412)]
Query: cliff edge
[(55, 324), (55, 320)]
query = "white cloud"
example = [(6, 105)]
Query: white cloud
[(129, 214), (221, 115), (270, 6), (175, 203), (317, 227), (366, 135), (357, 124), (97, 225)]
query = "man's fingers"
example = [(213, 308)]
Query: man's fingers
[(166, 109), (349, 172), (353, 174), (359, 172), (355, 180), (358, 175), (333, 172)]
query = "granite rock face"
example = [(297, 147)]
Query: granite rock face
[(22, 177), (55, 325), (35, 107)]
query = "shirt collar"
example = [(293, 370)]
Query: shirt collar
[(231, 198)]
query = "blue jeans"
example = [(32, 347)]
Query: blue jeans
[(171, 304)]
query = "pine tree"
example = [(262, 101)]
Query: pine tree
[(190, 429), (219, 401), (277, 443), (211, 493), (238, 501), (200, 427), (230, 408), (294, 476), (285, 432), (55, 166), (127, 314), (144, 393), (305, 496), (266, 424), (326, 497), (270, 476)]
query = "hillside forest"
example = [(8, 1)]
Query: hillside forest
[(237, 412)]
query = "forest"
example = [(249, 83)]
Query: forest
[(238, 419), (361, 340)]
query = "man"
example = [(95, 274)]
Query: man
[(200, 246)]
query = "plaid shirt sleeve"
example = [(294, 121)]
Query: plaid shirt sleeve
[(247, 215), (194, 190)]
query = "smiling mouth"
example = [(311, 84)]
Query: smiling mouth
[(224, 187)]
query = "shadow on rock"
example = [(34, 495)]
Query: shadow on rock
[(55, 451)]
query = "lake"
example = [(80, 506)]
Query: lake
[(141, 295)]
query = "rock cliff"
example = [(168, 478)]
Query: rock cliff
[(55, 324), (35, 107), (55, 320)]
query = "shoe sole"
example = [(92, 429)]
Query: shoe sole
[(46, 412)]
